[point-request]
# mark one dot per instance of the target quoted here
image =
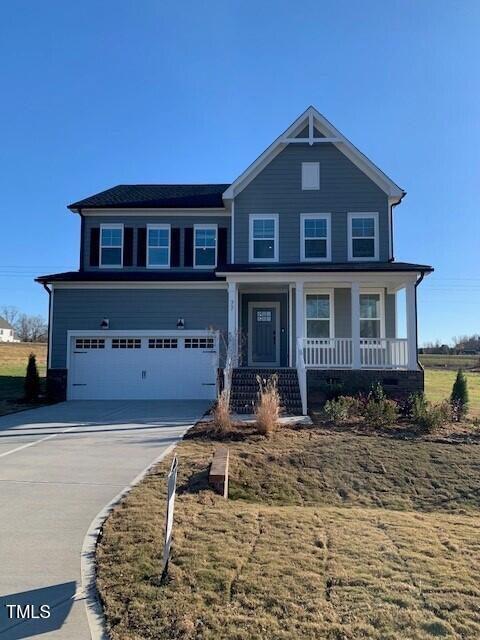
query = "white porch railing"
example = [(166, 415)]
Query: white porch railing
[(375, 353)]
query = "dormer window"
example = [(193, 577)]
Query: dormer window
[(158, 246), (310, 176), (363, 236), (111, 245)]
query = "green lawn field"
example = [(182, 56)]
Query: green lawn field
[(438, 386)]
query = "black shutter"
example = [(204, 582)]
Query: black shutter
[(94, 246), (222, 246), (175, 248), (142, 247), (188, 247), (128, 247)]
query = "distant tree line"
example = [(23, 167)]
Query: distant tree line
[(461, 345), (27, 328)]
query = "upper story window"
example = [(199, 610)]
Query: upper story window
[(111, 245), (158, 246), (363, 236), (315, 237), (318, 319), (371, 315), (310, 176), (263, 246), (205, 245)]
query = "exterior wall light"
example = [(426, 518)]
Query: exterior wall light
[(181, 323), (105, 323)]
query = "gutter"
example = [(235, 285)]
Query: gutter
[(49, 291)]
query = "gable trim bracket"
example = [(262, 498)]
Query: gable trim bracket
[(330, 135)]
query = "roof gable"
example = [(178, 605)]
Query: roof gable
[(4, 324), (313, 128)]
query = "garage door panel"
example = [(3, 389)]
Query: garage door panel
[(143, 368)]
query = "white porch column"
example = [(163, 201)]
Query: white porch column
[(356, 359), (233, 320), (299, 313), (411, 311)]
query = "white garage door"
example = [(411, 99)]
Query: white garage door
[(140, 367)]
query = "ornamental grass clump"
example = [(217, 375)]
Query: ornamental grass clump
[(459, 400), (222, 418), (267, 410)]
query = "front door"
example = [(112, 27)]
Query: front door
[(264, 338)]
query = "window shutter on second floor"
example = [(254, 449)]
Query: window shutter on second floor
[(128, 247), (142, 247), (222, 247), (188, 247), (175, 247), (94, 246)]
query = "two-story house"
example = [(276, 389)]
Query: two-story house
[(289, 268)]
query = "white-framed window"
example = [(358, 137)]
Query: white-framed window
[(319, 322), (310, 176), (372, 314), (205, 246), (263, 245), (363, 236), (111, 245), (315, 237), (158, 246)]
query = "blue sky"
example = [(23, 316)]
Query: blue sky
[(100, 93)]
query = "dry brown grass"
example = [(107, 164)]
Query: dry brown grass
[(267, 409), (221, 413), (337, 536)]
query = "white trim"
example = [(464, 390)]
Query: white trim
[(290, 325), (253, 304), (50, 328), (381, 293), (204, 226), (327, 129), (315, 216), (168, 227), (263, 216), (140, 285), (331, 305), (232, 234), (155, 212), (392, 281), (363, 214), (113, 225), (306, 166)]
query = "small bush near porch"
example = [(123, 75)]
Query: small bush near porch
[(326, 534)]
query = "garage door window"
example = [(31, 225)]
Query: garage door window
[(126, 343), (162, 343), (89, 343), (199, 343)]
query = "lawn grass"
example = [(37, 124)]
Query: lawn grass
[(334, 536), (448, 361), (13, 364), (439, 383)]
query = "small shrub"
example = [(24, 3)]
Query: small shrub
[(377, 392), (459, 397), (427, 416), (267, 410), (221, 414), (332, 390), (380, 413), (32, 380), (342, 408)]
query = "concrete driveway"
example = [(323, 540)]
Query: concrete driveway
[(59, 466)]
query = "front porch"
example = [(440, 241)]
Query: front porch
[(322, 322)]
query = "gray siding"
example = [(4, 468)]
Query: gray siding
[(133, 309), (140, 221), (278, 189)]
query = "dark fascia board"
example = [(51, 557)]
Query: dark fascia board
[(130, 276), (385, 267)]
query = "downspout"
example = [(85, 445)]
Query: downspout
[(82, 238), (422, 275), (49, 323)]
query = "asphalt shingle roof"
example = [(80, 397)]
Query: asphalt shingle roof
[(156, 196), (4, 324)]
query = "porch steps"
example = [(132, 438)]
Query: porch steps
[(244, 391)]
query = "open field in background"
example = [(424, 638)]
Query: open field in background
[(449, 362), (13, 364), (331, 536), (438, 387)]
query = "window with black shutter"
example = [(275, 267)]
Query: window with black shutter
[(188, 247)]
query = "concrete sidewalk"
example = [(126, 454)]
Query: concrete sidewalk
[(59, 466)]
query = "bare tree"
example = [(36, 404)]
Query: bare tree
[(10, 314), (31, 328)]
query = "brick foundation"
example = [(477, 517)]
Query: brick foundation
[(57, 385), (396, 384)]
